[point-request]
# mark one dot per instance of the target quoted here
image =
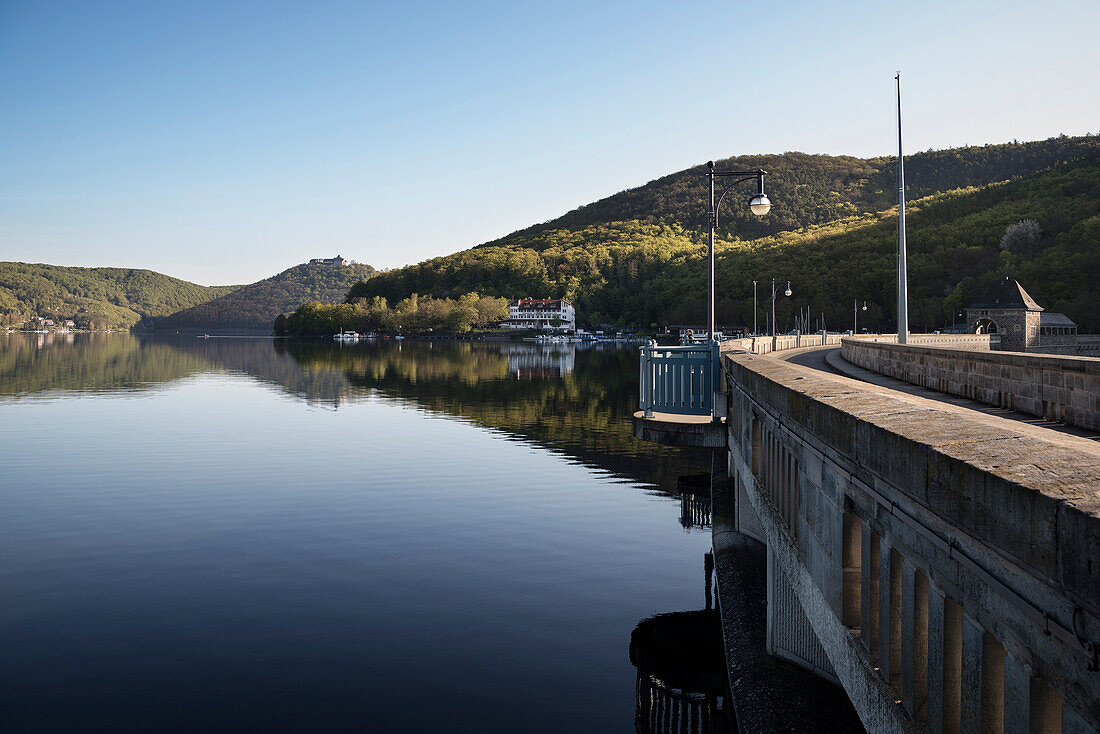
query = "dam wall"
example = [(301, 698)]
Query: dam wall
[(1055, 387), (944, 570)]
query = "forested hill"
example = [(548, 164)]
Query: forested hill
[(813, 189), (255, 306), (637, 258), (94, 297)]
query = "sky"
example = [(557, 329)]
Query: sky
[(222, 142)]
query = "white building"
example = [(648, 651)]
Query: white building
[(337, 261), (547, 314)]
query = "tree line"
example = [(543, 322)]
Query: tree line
[(412, 314)]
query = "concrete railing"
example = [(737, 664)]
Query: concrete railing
[(977, 342), (766, 344), (1088, 345), (1056, 387), (948, 570)]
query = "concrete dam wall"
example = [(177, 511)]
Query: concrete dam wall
[(944, 569), (1059, 388)]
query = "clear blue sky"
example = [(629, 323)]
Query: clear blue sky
[(222, 142)]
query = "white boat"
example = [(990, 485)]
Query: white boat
[(346, 336)]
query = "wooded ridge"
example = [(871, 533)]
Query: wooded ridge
[(638, 258), (94, 298)]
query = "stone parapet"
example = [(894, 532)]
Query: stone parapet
[(950, 568), (767, 344), (1055, 387), (1088, 345)]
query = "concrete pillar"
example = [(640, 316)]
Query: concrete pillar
[(970, 699), (757, 447), (908, 609), (869, 580), (884, 609), (1017, 697), (765, 457), (920, 646), (897, 561), (797, 501), (952, 666), (1045, 712), (852, 563), (772, 466), (785, 485), (993, 685), (934, 706), (769, 471)]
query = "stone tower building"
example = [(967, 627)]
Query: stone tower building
[(1006, 309)]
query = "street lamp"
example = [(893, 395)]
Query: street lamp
[(855, 315), (754, 308), (774, 291), (758, 205)]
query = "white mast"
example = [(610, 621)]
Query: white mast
[(903, 310)]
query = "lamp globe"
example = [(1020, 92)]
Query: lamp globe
[(760, 204)]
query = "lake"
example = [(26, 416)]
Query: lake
[(247, 534)]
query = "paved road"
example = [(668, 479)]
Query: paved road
[(828, 359)]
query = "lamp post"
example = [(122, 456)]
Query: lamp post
[(759, 205), (903, 278), (786, 293), (855, 315), (754, 308)]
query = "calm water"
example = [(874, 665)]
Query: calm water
[(253, 535)]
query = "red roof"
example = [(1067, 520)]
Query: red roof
[(540, 302)]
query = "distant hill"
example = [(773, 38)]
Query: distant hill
[(813, 189), (94, 297), (255, 306), (637, 258)]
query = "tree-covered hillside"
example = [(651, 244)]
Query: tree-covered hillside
[(256, 306), (813, 189), (638, 258), (94, 297)]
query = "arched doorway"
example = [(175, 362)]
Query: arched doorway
[(986, 326)]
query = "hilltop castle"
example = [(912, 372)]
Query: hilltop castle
[(335, 261)]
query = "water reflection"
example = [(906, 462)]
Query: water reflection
[(261, 562), (694, 493), (681, 686), (41, 365), (574, 399), (533, 361)]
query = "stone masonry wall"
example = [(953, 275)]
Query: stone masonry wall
[(944, 564), (1059, 388)]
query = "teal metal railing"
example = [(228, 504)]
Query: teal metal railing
[(679, 380)]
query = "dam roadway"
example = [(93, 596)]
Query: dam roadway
[(937, 555)]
